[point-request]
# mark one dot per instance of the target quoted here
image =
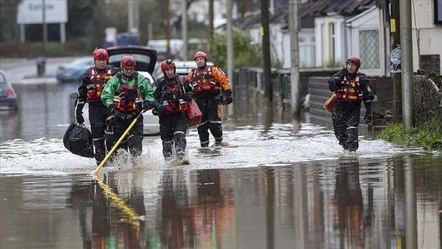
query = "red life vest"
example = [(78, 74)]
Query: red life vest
[(128, 100), (204, 80), (171, 95), (97, 81), (350, 90)]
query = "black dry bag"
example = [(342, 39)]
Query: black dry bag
[(78, 140)]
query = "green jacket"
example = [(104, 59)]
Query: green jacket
[(113, 85)]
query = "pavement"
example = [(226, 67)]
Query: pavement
[(24, 71)]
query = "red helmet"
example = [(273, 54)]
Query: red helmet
[(167, 64), (100, 54), (200, 54), (127, 61), (355, 60)]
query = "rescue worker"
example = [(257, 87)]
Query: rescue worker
[(171, 95), (208, 83), (91, 87), (351, 90), (125, 95)]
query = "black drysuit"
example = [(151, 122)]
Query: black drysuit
[(97, 110), (173, 122), (346, 112)]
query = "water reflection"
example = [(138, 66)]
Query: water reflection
[(108, 218), (348, 213), (176, 227), (326, 204), (195, 217), (8, 124)]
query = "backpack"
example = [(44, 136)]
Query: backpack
[(78, 140)]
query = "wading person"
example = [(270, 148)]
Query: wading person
[(208, 83), (125, 95), (91, 87), (351, 90), (171, 95)]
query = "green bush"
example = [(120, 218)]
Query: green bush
[(332, 64), (428, 137), (244, 53), (53, 49)]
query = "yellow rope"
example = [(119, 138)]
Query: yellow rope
[(120, 203)]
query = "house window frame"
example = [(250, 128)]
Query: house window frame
[(437, 13)]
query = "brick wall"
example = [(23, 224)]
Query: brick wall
[(248, 90)]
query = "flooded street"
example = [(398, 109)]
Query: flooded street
[(280, 185)]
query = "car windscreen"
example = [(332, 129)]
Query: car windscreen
[(3, 86), (2, 79), (115, 59), (159, 48)]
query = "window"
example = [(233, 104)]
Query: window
[(369, 48), (438, 11)]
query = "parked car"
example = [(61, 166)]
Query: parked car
[(161, 47), (8, 97), (146, 64), (74, 70), (183, 67), (157, 71)]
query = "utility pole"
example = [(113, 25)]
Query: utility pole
[(184, 51), (167, 28), (294, 54), (133, 16), (395, 56), (211, 24), (136, 18), (45, 27), (130, 15), (229, 37), (407, 69), (268, 91)]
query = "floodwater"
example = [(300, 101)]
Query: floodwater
[(280, 185)]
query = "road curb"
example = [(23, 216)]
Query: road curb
[(35, 81)]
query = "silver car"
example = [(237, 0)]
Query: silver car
[(8, 97), (183, 67)]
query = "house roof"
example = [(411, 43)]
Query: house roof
[(308, 11)]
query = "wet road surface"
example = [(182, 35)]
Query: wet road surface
[(280, 185)]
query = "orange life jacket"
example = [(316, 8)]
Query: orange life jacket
[(204, 80), (97, 81), (128, 100), (350, 90), (171, 96)]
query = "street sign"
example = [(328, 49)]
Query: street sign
[(31, 12)]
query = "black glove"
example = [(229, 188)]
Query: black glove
[(367, 116), (229, 97), (218, 99), (112, 112), (79, 117), (79, 112), (147, 105), (188, 96), (340, 76), (161, 109), (110, 120)]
